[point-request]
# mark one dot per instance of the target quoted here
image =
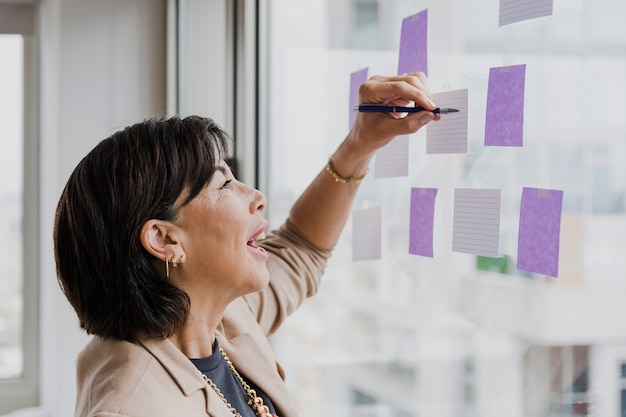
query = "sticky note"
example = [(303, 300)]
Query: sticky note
[(392, 160), (539, 231), (366, 234), (356, 79), (413, 44), (476, 222), (421, 221), (512, 11), (449, 135), (505, 106)]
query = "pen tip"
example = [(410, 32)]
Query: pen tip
[(450, 110)]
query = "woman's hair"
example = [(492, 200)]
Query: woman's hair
[(117, 288)]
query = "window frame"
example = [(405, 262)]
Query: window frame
[(229, 30), (23, 392)]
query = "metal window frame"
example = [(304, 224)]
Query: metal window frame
[(235, 76)]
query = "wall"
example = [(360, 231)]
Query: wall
[(102, 67)]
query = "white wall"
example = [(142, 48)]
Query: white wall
[(102, 68)]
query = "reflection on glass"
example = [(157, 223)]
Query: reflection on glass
[(460, 335)]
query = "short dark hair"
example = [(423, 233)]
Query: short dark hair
[(117, 288)]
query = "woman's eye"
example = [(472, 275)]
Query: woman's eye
[(226, 184)]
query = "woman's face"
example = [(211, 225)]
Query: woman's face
[(218, 232)]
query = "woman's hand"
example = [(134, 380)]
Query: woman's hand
[(372, 131), (324, 207)]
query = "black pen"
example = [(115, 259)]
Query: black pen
[(381, 108)]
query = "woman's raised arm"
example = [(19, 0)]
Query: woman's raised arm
[(322, 210)]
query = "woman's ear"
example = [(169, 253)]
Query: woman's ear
[(156, 238)]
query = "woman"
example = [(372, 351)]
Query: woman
[(162, 254)]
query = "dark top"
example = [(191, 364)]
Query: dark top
[(217, 370)]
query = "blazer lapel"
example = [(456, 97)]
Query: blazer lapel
[(255, 365), (186, 375)]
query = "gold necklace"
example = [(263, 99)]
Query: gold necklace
[(219, 393), (254, 400)]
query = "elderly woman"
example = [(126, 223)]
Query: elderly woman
[(166, 259)]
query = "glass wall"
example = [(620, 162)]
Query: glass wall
[(457, 334)]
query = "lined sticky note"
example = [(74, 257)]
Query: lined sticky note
[(392, 160), (539, 231), (356, 79), (476, 222), (413, 44), (449, 135), (421, 221), (366, 234), (512, 11), (504, 125)]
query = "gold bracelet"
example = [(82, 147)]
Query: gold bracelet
[(338, 178)]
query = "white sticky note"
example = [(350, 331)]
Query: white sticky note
[(392, 160), (449, 135), (476, 223), (366, 234), (512, 11)]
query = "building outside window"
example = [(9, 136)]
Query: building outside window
[(623, 391)]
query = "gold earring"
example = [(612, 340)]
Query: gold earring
[(180, 260), (167, 268)]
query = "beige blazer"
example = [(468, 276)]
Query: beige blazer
[(153, 378)]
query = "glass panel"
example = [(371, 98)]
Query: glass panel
[(11, 213), (459, 335)]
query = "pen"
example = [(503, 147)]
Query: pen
[(381, 108)]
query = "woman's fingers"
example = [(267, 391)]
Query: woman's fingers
[(411, 123), (385, 126), (373, 130), (398, 89)]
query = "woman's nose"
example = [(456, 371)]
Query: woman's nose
[(259, 201)]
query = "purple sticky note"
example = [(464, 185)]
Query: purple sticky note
[(421, 221), (505, 106), (539, 231), (356, 79), (413, 44)]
